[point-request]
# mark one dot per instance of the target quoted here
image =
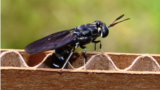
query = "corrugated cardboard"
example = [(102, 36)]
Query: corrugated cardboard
[(20, 70)]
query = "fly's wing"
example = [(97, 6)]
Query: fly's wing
[(50, 42)]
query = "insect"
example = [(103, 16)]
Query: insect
[(65, 42)]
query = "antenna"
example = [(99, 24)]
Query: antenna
[(111, 25)]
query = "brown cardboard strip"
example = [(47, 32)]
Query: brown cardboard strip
[(55, 79)]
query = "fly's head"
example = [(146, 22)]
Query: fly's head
[(102, 28)]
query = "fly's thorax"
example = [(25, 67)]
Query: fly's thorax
[(86, 30)]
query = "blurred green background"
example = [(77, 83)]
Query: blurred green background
[(24, 21)]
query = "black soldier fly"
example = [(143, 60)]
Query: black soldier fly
[(65, 42)]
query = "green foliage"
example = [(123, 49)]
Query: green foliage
[(24, 21)]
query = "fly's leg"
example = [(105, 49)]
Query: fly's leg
[(84, 47), (85, 55), (77, 44), (95, 42), (83, 40)]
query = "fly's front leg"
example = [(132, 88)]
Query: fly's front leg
[(95, 42)]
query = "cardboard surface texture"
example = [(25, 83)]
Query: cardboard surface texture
[(20, 70)]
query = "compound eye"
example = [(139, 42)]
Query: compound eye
[(104, 32)]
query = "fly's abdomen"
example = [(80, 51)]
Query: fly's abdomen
[(59, 56)]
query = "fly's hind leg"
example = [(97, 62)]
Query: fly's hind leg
[(77, 44)]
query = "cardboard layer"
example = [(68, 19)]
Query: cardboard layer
[(113, 71)]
